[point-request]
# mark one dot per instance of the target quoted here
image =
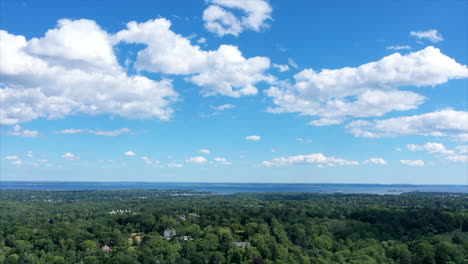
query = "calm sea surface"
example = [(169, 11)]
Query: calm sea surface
[(228, 188)]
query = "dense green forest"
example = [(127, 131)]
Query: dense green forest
[(153, 226)]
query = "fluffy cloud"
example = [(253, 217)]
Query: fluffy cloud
[(20, 132), (223, 71), (129, 153), (317, 158), (413, 162), (73, 70), (222, 161), (197, 160), (378, 161), (432, 148), (432, 35), (70, 156), (205, 151), (446, 122), (398, 47), (253, 138), (109, 133), (368, 90), (223, 22), (439, 150)]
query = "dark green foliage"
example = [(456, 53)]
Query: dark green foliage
[(74, 227)]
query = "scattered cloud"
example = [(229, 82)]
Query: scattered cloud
[(281, 68), (222, 22), (432, 35), (462, 149), (432, 148), (129, 153), (222, 161), (73, 70), (317, 158), (175, 165), (304, 140), (326, 122), (170, 53), (368, 90), (150, 161), (20, 132), (201, 41), (440, 150), (30, 154), (457, 158), (413, 162), (70, 156), (460, 137), (197, 160), (292, 63), (16, 163), (109, 133), (11, 157), (253, 138), (446, 122), (405, 47), (224, 107), (204, 151), (378, 161)]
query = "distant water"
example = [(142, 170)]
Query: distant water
[(229, 188)]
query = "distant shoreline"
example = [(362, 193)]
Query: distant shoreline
[(230, 188)]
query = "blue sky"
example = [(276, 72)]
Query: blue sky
[(234, 91)]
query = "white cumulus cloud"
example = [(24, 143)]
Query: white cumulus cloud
[(317, 158), (204, 151), (218, 20), (222, 161), (368, 90), (197, 160), (73, 70), (404, 47), (109, 133), (129, 153), (433, 35), (253, 138), (223, 71), (432, 148), (21, 132), (446, 122), (70, 156), (378, 161)]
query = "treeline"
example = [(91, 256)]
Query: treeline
[(150, 226)]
